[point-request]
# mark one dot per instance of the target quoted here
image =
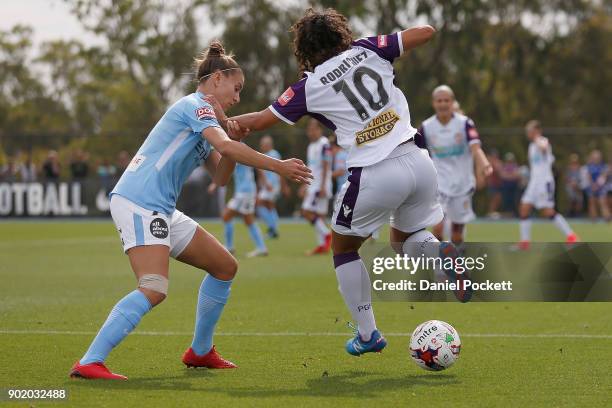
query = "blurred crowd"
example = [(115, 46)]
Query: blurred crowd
[(20, 167), (587, 185)]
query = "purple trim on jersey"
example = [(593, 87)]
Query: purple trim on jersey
[(419, 138), (345, 258), (350, 198), (292, 103), (385, 46), (324, 121), (326, 153), (471, 134)]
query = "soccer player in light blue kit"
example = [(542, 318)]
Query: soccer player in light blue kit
[(243, 203), (152, 230), (269, 188)]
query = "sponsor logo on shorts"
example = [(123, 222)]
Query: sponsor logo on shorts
[(205, 112), (346, 210), (378, 127), (159, 228)]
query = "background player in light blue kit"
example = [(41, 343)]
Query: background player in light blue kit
[(269, 187), (243, 203), (152, 230)]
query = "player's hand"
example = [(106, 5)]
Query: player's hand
[(487, 170), (219, 112), (295, 170), (235, 131)]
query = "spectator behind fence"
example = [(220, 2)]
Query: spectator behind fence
[(79, 166), (123, 161), (511, 177), (106, 173), (608, 189), (573, 186), (494, 184), (9, 170), (27, 169), (597, 172), (51, 168)]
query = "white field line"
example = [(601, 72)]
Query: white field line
[(306, 334)]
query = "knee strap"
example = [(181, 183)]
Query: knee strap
[(156, 283)]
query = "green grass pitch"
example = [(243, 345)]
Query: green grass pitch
[(285, 326)]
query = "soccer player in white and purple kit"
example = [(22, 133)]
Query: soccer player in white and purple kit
[(143, 207), (315, 205), (540, 191), (348, 86), (454, 146)]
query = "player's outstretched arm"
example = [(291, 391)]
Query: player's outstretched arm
[(415, 36), (293, 169), (220, 168), (256, 120), (483, 166)]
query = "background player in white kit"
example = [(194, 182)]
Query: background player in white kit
[(349, 87), (540, 191), (454, 146), (269, 187), (315, 205)]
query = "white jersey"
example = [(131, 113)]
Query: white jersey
[(319, 152), (353, 94), (540, 162), (449, 148)]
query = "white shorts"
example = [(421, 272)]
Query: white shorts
[(540, 194), (402, 190), (318, 205), (138, 226), (457, 209), (268, 195), (243, 203)]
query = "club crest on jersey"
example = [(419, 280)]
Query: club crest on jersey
[(378, 127), (382, 41), (205, 112), (286, 97)]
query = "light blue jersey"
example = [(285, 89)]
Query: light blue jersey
[(244, 179), (271, 177), (173, 149)]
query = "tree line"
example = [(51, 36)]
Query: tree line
[(508, 62)]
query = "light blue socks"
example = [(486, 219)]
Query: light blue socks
[(124, 317), (211, 300)]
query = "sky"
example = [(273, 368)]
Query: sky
[(51, 20)]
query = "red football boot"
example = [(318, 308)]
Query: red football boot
[(321, 249), (328, 239), (523, 245), (572, 239), (212, 359), (94, 371)]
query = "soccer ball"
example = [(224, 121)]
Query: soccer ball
[(435, 345)]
